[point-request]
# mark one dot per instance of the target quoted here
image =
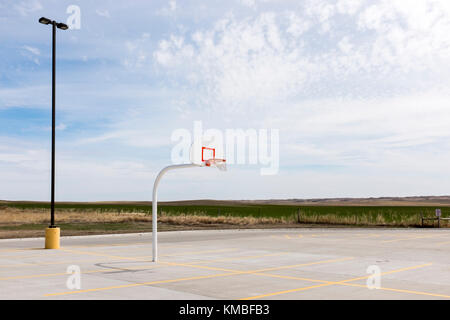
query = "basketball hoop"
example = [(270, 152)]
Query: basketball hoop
[(208, 159), (220, 164)]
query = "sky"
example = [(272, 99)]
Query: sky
[(358, 90)]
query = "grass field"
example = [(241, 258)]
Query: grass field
[(89, 218)]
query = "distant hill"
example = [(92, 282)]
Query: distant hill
[(382, 201)]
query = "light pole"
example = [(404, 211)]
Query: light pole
[(52, 232)]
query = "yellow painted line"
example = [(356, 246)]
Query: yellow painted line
[(26, 264), (228, 272), (355, 285), (115, 246), (400, 290), (265, 269), (15, 257), (290, 277), (239, 258), (106, 245), (414, 238), (371, 235), (389, 272), (142, 258), (94, 271), (33, 264), (20, 249), (319, 235), (93, 246), (301, 265), (287, 236), (285, 291), (98, 254), (197, 252), (109, 269), (441, 243), (332, 283), (140, 284)]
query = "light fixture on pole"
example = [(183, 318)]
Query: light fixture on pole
[(52, 233)]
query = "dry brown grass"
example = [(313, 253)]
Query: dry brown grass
[(36, 216), (363, 220), (9, 216)]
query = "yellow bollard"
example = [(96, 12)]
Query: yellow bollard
[(52, 238)]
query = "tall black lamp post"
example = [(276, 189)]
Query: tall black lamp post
[(52, 232)]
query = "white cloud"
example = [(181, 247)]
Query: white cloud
[(33, 50), (172, 5), (103, 13), (273, 56), (24, 8), (61, 127), (349, 6), (248, 3), (238, 61), (33, 96), (136, 51), (170, 10)]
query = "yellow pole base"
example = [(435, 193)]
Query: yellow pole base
[(52, 238)]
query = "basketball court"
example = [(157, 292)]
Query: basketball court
[(232, 264)]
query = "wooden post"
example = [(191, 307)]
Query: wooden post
[(439, 221), (298, 215)]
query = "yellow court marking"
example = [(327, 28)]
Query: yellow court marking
[(265, 269), (197, 252), (20, 249), (29, 264), (332, 283), (290, 277), (140, 284), (442, 243), (354, 285), (98, 254), (108, 270), (400, 290), (117, 248), (94, 246), (370, 235), (413, 238), (113, 268), (142, 258), (228, 272), (238, 258), (293, 236), (106, 245), (21, 258), (34, 264)]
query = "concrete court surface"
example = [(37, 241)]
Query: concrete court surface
[(233, 264)]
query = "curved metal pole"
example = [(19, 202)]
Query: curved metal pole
[(155, 204)]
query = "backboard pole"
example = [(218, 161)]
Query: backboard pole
[(155, 205)]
